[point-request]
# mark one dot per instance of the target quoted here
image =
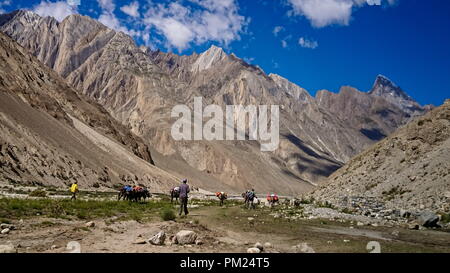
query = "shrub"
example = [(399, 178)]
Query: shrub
[(167, 214), (38, 193), (445, 218)]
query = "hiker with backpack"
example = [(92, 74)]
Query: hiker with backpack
[(74, 191), (251, 196)]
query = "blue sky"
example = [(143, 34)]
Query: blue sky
[(318, 44)]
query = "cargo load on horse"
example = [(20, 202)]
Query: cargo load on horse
[(272, 199), (222, 197), (174, 193), (136, 193)]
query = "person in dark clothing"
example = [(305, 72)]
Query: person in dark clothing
[(184, 190)]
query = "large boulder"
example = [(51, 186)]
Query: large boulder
[(158, 239), (428, 219), (186, 237)]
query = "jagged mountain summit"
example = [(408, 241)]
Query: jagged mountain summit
[(385, 88), (139, 87), (50, 135)]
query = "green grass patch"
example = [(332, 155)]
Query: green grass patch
[(80, 209)]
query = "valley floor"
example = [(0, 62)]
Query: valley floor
[(49, 224)]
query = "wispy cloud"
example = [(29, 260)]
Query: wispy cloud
[(109, 19), (285, 41), (306, 43), (132, 9), (249, 60), (277, 30)]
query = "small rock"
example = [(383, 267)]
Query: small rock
[(53, 247), (158, 239), (90, 224), (267, 245), (304, 248), (173, 240), (253, 250), (360, 224), (8, 249), (5, 231), (395, 233), (198, 242), (140, 242), (251, 219), (405, 213), (346, 241), (259, 246), (185, 237)]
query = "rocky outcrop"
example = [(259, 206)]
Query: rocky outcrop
[(408, 170)]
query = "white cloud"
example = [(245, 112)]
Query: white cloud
[(5, 3), (197, 22), (322, 13), (107, 5), (277, 30), (249, 60), (59, 10), (306, 43), (109, 19), (131, 9), (284, 41)]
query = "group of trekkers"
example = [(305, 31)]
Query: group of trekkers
[(136, 193)]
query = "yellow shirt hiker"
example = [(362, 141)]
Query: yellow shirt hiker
[(74, 190)]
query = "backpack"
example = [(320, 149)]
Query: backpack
[(251, 195)]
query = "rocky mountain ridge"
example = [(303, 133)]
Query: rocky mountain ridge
[(139, 87)]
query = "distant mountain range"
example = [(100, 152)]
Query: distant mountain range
[(138, 87)]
